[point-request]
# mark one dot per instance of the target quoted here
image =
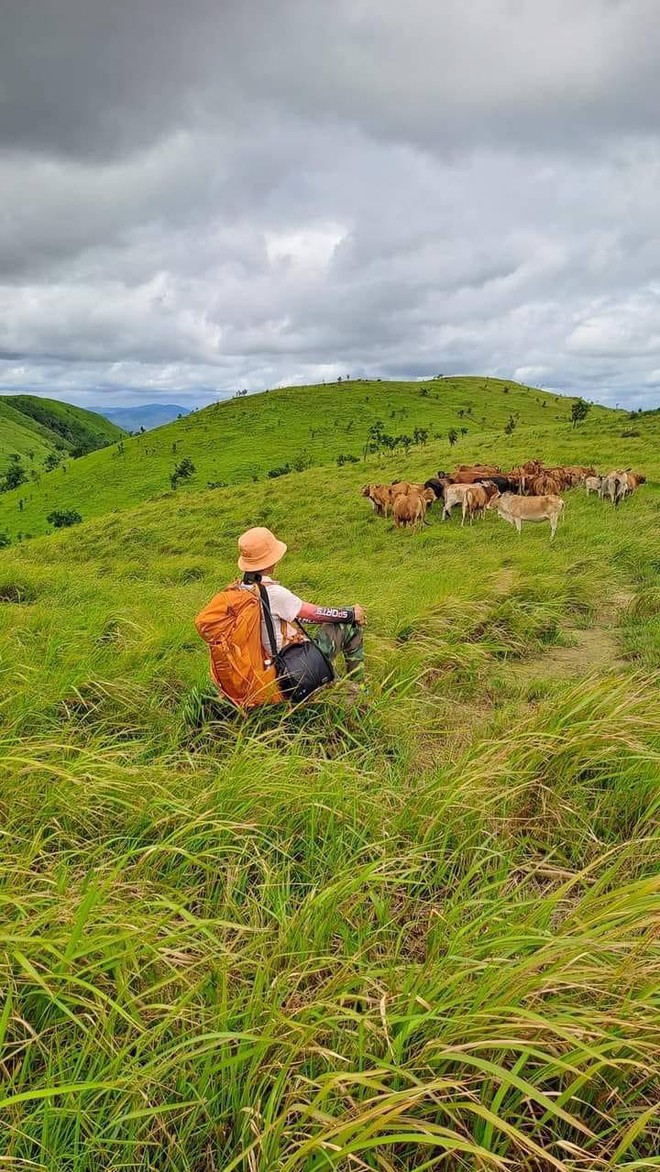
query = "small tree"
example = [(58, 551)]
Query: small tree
[(51, 461), (183, 471), (14, 476), (5, 539), (579, 411), (63, 518), (420, 435), (510, 426), (452, 436)]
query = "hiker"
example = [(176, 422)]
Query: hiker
[(260, 653), (339, 628)]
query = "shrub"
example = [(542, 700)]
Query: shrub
[(347, 459), (63, 518), (5, 540), (452, 436), (183, 471), (14, 476), (630, 433)]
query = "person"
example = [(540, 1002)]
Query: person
[(339, 629)]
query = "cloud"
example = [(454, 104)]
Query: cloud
[(200, 197)]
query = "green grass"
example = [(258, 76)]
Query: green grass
[(421, 934), (240, 440)]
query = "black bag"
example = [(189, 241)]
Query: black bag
[(301, 668)]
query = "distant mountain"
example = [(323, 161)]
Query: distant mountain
[(148, 416), (32, 428)]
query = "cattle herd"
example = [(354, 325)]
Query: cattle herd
[(529, 492)]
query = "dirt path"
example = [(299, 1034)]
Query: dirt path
[(595, 649)]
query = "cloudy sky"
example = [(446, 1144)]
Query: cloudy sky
[(205, 195)]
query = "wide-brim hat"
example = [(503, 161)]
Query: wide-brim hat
[(259, 549)]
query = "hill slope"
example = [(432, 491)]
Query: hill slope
[(32, 427), (79, 430), (20, 435), (241, 440), (418, 931)]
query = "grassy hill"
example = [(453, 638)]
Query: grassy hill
[(242, 440), (420, 933), (32, 427), (22, 436)]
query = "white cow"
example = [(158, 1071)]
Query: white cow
[(516, 509), (614, 486), (454, 495), (593, 484)]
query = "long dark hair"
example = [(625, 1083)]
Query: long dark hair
[(252, 577)]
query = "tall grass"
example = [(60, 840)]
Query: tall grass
[(419, 933)]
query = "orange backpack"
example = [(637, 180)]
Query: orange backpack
[(231, 625)]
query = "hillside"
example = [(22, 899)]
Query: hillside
[(242, 440), (32, 428), (22, 436), (417, 933)]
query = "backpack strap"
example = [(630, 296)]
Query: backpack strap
[(268, 617)]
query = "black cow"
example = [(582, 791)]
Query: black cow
[(436, 486), (503, 484)]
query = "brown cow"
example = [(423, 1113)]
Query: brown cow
[(634, 479), (379, 495), (544, 485), (410, 508), (470, 475), (476, 499)]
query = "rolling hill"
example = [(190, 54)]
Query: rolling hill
[(242, 440), (420, 931), (32, 427)]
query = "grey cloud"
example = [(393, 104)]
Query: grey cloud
[(198, 197)]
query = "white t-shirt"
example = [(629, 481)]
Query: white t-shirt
[(285, 607)]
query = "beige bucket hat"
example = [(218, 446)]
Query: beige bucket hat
[(259, 549)]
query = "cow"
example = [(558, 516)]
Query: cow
[(633, 480), (579, 473), (560, 475), (614, 486), (544, 485), (476, 499), (379, 495), (454, 494), (515, 509), (410, 508), (437, 485), (504, 483), (469, 473), (593, 484)]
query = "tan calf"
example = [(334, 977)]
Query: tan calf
[(516, 509)]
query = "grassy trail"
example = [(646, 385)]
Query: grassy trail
[(420, 934)]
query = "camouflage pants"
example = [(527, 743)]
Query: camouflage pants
[(345, 637)]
